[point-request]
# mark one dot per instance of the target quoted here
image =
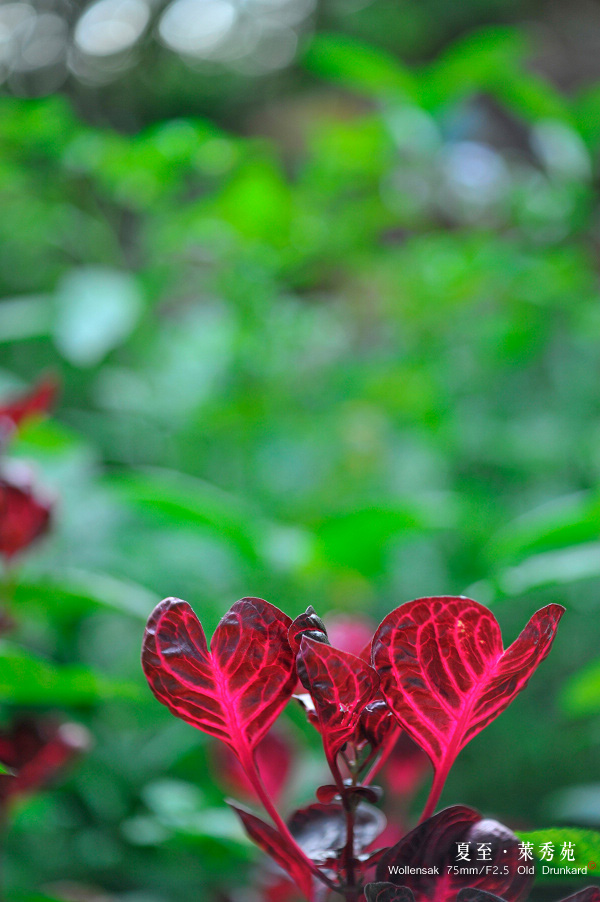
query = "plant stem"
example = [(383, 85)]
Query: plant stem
[(385, 754), (251, 770), (435, 792)]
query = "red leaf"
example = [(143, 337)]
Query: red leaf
[(433, 845), (279, 850), (23, 517), (588, 894), (376, 723), (38, 400), (444, 671), (470, 894), (307, 624), (340, 685), (321, 829), (237, 689)]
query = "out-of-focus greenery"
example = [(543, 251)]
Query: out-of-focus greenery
[(346, 358)]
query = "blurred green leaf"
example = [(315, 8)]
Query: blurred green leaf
[(28, 680), (359, 67), (580, 695), (182, 499), (74, 592)]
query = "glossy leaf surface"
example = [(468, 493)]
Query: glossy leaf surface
[(340, 685), (320, 829), (308, 624), (444, 671), (434, 844), (237, 689)]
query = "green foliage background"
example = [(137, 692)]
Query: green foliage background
[(336, 344)]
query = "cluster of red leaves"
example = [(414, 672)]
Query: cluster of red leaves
[(433, 675), (24, 514)]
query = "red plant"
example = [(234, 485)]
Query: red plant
[(36, 750), (436, 672), (24, 515)]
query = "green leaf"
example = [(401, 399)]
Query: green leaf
[(581, 692), (73, 592), (360, 67), (570, 520), (28, 680), (586, 846), (186, 500), (561, 567)]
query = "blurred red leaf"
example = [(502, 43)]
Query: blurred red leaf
[(23, 517), (237, 689), (274, 762), (38, 400), (37, 750)]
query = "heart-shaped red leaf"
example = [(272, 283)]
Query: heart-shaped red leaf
[(433, 846), (271, 842), (237, 689), (340, 685), (445, 674), (23, 517)]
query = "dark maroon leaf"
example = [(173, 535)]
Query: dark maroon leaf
[(589, 894), (38, 400), (470, 894), (330, 792), (23, 516), (340, 685), (387, 892), (376, 723), (444, 672), (433, 845), (307, 624), (320, 830), (310, 625), (271, 842), (237, 689)]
